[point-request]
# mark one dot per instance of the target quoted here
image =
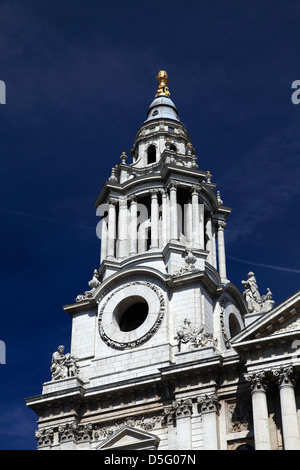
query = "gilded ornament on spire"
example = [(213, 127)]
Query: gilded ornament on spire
[(162, 78)]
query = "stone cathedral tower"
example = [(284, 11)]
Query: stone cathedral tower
[(152, 365)]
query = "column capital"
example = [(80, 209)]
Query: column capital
[(173, 185), (132, 199), (285, 376), (258, 381), (178, 409), (123, 203), (209, 403), (221, 224), (183, 407), (195, 189), (112, 201)]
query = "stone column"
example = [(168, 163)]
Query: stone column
[(221, 250), (133, 226), (104, 234), (123, 229), (195, 217), (209, 407), (189, 221), (214, 254), (260, 411), (154, 220), (201, 225), (290, 425), (164, 216), (209, 240), (173, 212), (111, 235)]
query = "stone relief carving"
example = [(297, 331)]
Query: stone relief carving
[(141, 422), (63, 365), (293, 324), (93, 431), (239, 416), (189, 264), (256, 302), (193, 337), (93, 283)]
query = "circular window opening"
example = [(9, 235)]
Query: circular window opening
[(131, 313)]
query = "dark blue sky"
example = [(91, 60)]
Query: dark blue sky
[(80, 76)]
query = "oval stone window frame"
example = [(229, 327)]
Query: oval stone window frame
[(109, 328)]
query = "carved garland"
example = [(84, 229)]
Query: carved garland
[(223, 303), (132, 344), (140, 422)]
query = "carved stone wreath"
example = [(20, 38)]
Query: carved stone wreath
[(109, 331)]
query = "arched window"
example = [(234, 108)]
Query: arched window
[(151, 154), (173, 148), (234, 326), (245, 447)]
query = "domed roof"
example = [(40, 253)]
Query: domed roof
[(162, 107)]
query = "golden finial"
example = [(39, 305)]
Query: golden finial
[(162, 78)]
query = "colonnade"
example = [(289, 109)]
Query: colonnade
[(289, 419), (128, 228), (208, 407)]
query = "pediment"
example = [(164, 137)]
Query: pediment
[(129, 438), (281, 322)]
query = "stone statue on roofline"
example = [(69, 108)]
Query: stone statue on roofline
[(63, 365), (256, 303), (93, 283)]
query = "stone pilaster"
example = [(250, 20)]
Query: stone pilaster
[(209, 408), (180, 437)]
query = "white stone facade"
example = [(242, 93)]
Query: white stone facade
[(166, 352)]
